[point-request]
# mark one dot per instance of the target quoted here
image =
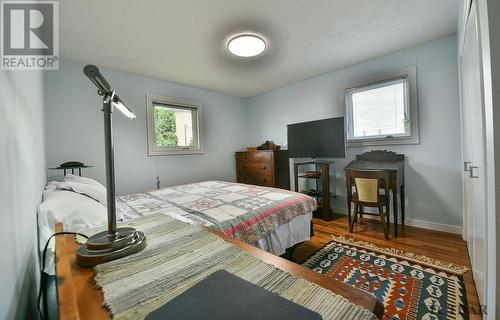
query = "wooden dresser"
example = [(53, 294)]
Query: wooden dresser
[(263, 168)]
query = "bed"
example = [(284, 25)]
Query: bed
[(268, 218), (242, 216)]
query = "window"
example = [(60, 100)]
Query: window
[(173, 126), (382, 111)]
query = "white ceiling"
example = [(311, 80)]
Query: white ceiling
[(184, 41)]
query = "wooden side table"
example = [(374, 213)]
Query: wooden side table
[(322, 177)]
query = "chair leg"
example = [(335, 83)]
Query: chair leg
[(388, 219), (382, 221), (361, 211), (353, 219)]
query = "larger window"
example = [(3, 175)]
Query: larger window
[(173, 126), (382, 111)]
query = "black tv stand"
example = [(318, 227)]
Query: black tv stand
[(321, 175)]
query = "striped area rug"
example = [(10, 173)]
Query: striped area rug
[(409, 286), (179, 255)]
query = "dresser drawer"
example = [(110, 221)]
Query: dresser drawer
[(257, 180), (260, 167), (254, 157)]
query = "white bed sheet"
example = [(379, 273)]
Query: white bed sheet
[(287, 235)]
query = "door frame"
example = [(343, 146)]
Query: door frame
[(466, 200), (492, 139)]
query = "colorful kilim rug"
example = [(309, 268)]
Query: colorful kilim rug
[(409, 286)]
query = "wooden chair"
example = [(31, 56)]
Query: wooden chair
[(368, 185)]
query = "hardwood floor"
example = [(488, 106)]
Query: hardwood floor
[(439, 245)]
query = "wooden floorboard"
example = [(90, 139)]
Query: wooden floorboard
[(439, 245)]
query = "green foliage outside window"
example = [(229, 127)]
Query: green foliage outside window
[(165, 128)]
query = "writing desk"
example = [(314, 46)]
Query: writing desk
[(395, 168), (80, 299)]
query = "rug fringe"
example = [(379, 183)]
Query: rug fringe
[(410, 256)]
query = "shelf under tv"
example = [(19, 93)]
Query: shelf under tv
[(309, 177), (322, 189)]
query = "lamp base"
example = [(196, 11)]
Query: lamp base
[(103, 246)]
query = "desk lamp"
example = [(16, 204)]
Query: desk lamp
[(115, 242)]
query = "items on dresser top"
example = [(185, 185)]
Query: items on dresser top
[(263, 168), (269, 145)]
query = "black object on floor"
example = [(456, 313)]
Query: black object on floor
[(222, 296)]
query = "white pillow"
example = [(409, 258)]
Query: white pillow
[(77, 213), (84, 180), (88, 190), (94, 190)]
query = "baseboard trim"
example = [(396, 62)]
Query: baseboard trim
[(417, 223)]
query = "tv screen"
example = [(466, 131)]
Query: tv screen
[(317, 139)]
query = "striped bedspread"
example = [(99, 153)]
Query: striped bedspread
[(243, 211)]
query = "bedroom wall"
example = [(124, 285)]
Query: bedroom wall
[(433, 168), (23, 176), (74, 124)]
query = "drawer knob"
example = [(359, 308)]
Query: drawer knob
[(263, 168)]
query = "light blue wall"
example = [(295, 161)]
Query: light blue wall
[(433, 168), (433, 183), (74, 130), (22, 178)]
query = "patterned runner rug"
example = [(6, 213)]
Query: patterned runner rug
[(179, 255), (409, 286)]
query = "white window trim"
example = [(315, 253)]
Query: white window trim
[(414, 137), (153, 149)]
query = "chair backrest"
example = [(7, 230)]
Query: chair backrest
[(367, 184)]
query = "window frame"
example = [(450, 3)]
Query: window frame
[(153, 149), (413, 138)]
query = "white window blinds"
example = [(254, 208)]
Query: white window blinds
[(379, 110)]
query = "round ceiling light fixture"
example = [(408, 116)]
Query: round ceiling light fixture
[(246, 45)]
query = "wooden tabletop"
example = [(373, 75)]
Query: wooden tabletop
[(80, 299), (375, 165)]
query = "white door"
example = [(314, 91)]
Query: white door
[(473, 152)]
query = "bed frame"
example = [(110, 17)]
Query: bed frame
[(78, 297)]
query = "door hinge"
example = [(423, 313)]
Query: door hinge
[(484, 308)]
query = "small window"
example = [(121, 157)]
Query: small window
[(173, 126), (382, 111)]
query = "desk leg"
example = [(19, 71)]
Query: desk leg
[(403, 205), (395, 208)]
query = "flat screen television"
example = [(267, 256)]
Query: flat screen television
[(317, 139)]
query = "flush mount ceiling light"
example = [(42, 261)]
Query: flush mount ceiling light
[(246, 45)]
